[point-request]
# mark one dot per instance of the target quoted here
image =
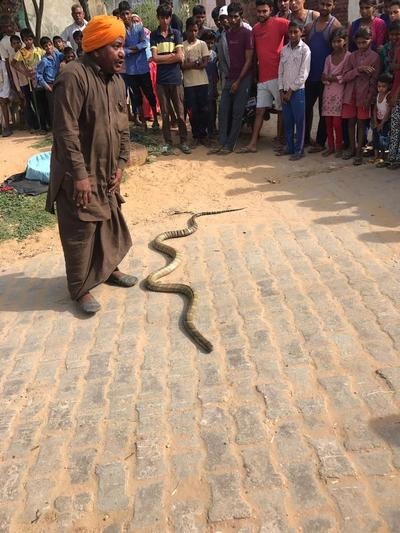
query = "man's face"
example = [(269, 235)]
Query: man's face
[(294, 35), (110, 58), (296, 5), (394, 13), (28, 42), (77, 15), (16, 44), (125, 16), (263, 13), (164, 22), (326, 7), (366, 11), (48, 48), (235, 20), (283, 6), (386, 6), (363, 44), (200, 20), (224, 20)]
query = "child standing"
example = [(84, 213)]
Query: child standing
[(4, 99), (294, 67), (167, 52), (195, 81), (332, 99), (212, 74), (368, 20), (26, 61), (361, 73), (381, 119), (46, 73)]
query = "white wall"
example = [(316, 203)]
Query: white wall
[(57, 14), (354, 10)]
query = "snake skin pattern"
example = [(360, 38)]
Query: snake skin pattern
[(153, 284)]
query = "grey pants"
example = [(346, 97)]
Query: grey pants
[(231, 109), (173, 94)]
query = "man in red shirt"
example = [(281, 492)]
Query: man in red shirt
[(269, 35)]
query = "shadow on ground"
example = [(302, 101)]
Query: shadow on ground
[(19, 293)]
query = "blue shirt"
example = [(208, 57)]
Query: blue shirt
[(168, 74), (48, 68), (136, 62)]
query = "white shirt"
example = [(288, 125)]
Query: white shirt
[(4, 81), (5, 46), (68, 34), (294, 66)]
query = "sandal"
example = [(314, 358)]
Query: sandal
[(224, 151), (327, 152), (347, 155), (246, 150), (358, 161)]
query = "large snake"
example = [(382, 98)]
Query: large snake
[(152, 281)]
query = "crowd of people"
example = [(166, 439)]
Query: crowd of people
[(291, 60)]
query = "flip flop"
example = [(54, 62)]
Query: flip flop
[(246, 150)]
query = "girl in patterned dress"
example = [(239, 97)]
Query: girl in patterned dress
[(333, 92)]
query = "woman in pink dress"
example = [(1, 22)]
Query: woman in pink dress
[(332, 99)]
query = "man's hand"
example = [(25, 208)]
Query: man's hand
[(235, 87), (288, 95), (115, 181), (82, 193), (133, 49)]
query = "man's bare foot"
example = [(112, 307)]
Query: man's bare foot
[(88, 304)]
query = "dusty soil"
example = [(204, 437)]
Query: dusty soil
[(198, 182)]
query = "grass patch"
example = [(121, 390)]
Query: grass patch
[(46, 142), (22, 215)]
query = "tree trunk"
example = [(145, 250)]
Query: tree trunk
[(85, 7), (39, 16)]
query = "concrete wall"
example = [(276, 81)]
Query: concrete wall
[(57, 14)]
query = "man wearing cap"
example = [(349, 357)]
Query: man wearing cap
[(90, 150)]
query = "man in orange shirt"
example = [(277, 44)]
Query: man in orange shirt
[(269, 35)]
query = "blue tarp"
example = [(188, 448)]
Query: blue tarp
[(38, 167)]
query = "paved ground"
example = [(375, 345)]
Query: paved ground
[(118, 423)]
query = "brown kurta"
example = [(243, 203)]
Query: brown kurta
[(91, 140)]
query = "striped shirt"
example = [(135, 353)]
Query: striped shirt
[(168, 74)]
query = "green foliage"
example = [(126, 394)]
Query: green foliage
[(21, 215), (147, 12), (45, 142)]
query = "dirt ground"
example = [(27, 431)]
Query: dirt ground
[(198, 182)]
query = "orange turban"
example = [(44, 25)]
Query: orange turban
[(100, 31)]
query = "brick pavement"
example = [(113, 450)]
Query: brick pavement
[(118, 423)]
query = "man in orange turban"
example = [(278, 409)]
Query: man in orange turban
[(100, 31), (90, 149)]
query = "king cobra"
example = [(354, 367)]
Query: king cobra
[(152, 281)]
